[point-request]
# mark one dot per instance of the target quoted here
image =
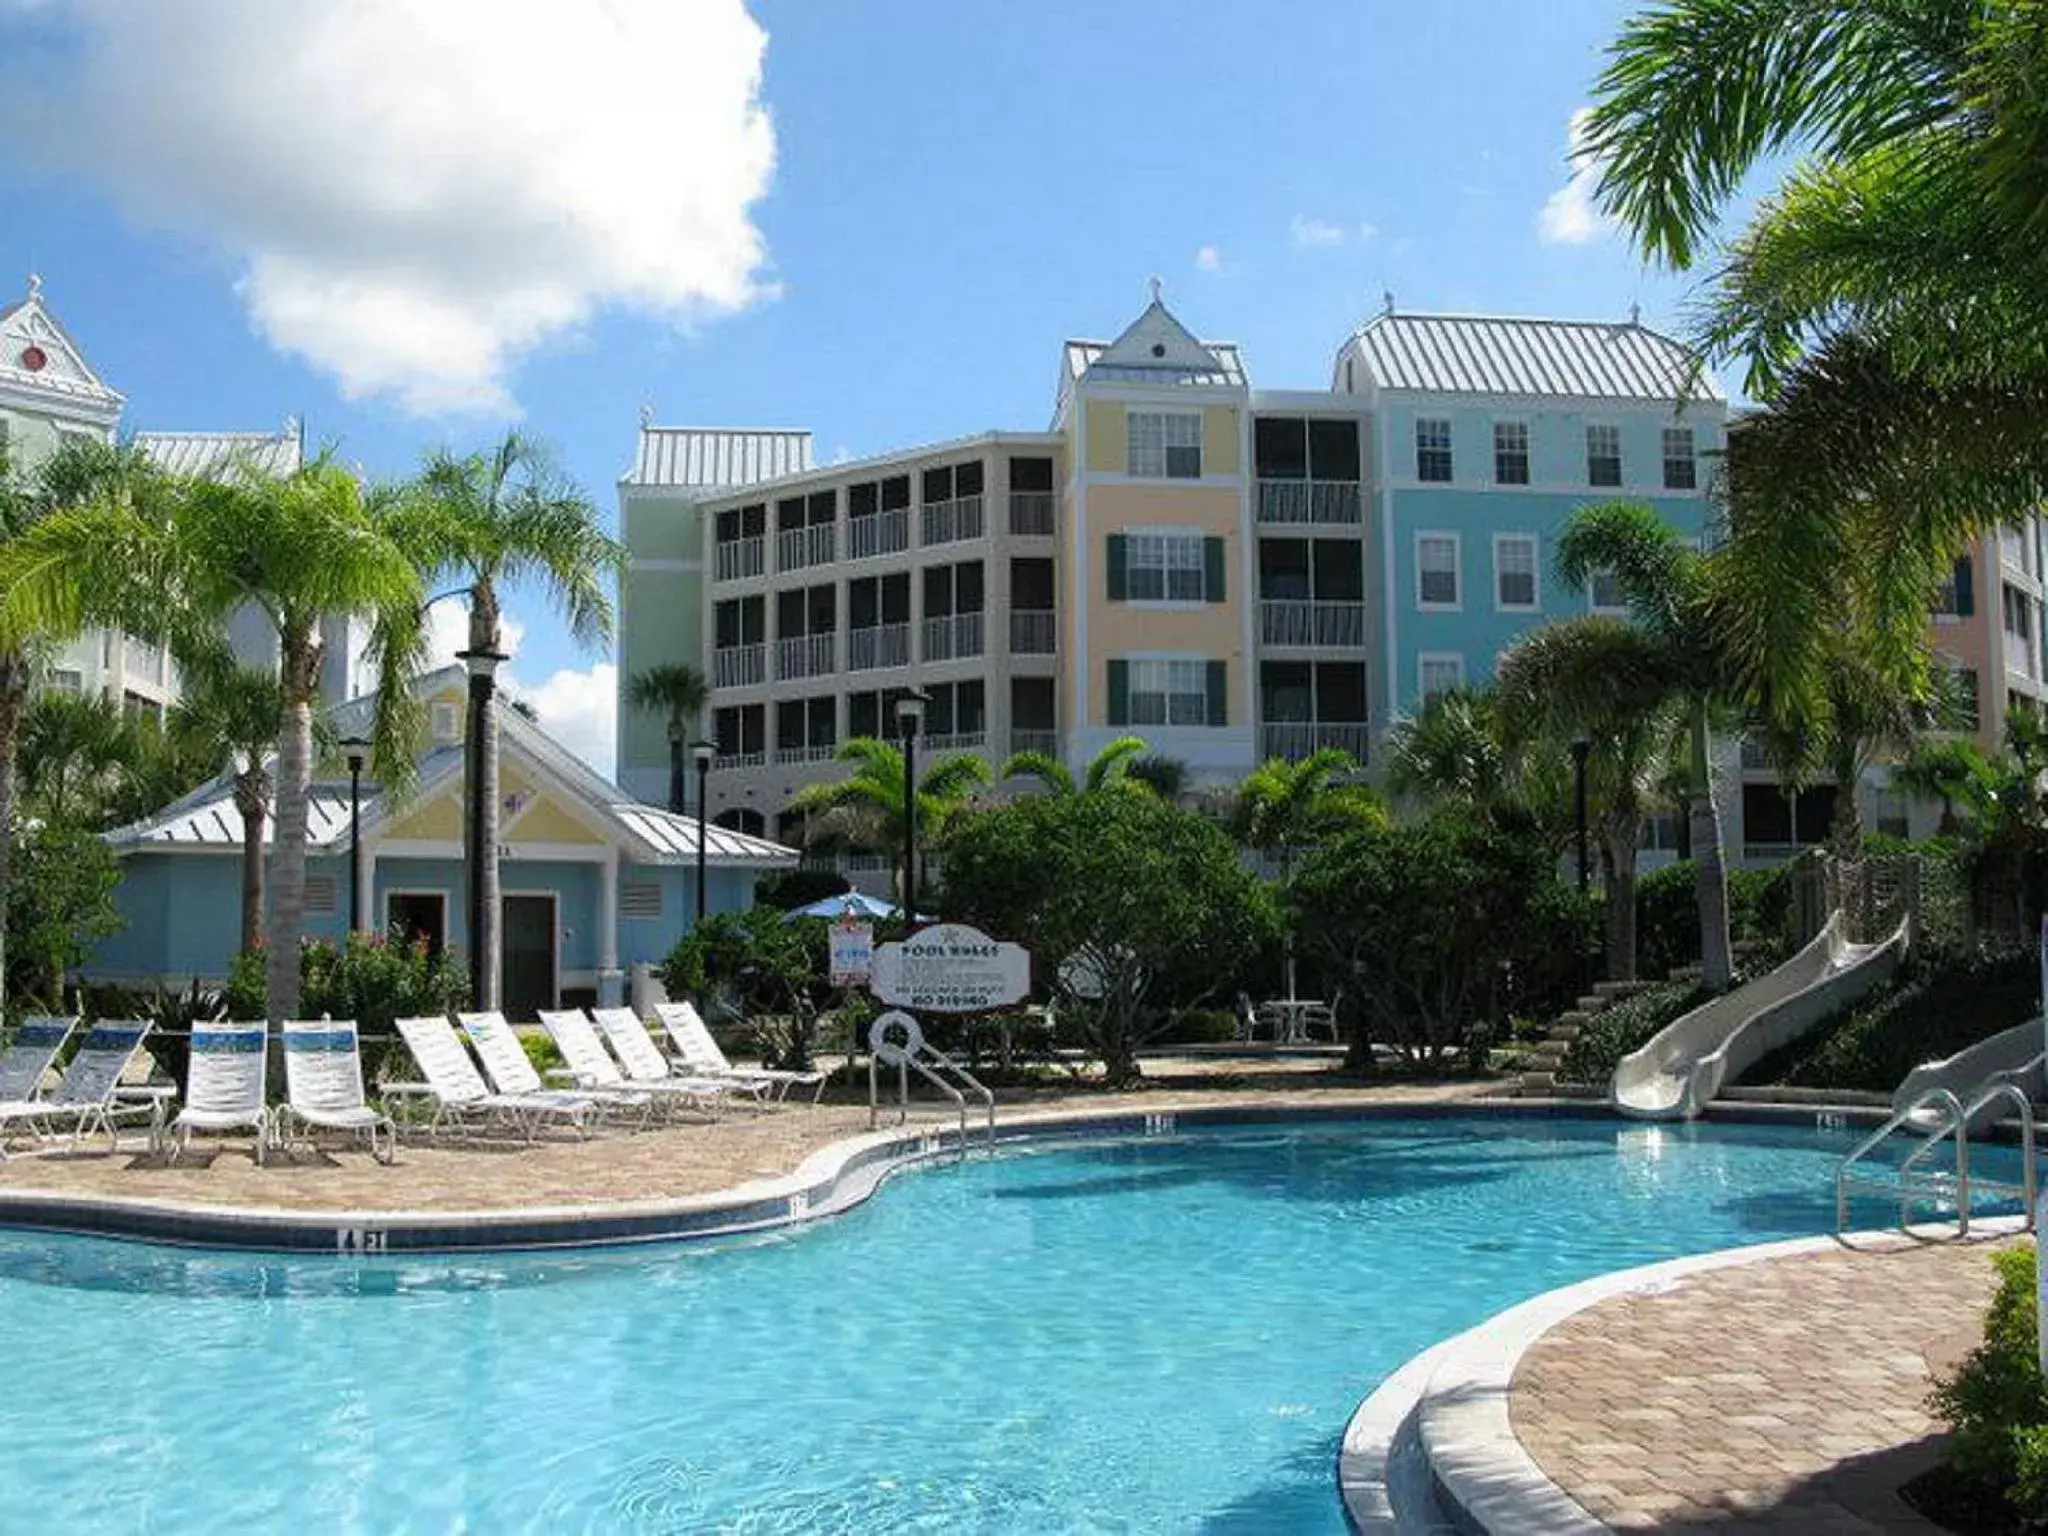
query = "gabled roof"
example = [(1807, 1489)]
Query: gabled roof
[(205, 453), (63, 382), (1503, 355), (711, 458), (1155, 348)]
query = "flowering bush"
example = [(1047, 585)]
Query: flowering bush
[(369, 978)]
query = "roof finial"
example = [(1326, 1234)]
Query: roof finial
[(1153, 285), (646, 414), (1635, 314), (1387, 296), (35, 284)]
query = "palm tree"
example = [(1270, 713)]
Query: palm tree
[(74, 748), (487, 519), (1167, 777), (676, 691), (160, 557), (865, 810), (1282, 806), (1108, 769), (1948, 771)]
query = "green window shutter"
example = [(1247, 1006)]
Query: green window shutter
[(1119, 693), (1119, 583), (1966, 594), (1219, 702), (1212, 570)]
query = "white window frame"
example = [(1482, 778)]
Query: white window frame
[(1620, 458), (1535, 548), (1449, 450), (1182, 551), (1424, 660), (1171, 673), (1593, 603), (1457, 603), (1148, 455), (1666, 458), (1511, 425)]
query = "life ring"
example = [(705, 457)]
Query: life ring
[(895, 1037)]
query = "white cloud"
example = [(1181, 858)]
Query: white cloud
[(419, 194), (1208, 259), (1568, 216), (1307, 231), (1368, 232)]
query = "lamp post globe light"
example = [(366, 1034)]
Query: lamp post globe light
[(356, 750), (909, 717), (1580, 748), (702, 752)]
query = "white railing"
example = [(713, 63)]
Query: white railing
[(740, 558), (1047, 742), (1033, 633), (740, 760), (1310, 501), (1339, 626), (948, 522), (879, 533), (884, 645), (813, 754), (862, 863), (957, 741), (1753, 754), (1297, 739), (737, 666), (956, 635), (805, 656), (1032, 514), (796, 548)]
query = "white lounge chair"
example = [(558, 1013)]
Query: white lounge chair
[(323, 1075), (461, 1097), (83, 1101), (507, 1065), (224, 1085), (28, 1055), (644, 1062), (593, 1068), (692, 1039)]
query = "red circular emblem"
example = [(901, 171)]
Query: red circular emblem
[(33, 358)]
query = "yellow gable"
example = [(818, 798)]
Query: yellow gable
[(543, 821), (437, 821)]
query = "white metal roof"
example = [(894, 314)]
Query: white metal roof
[(205, 453), (717, 456), (1500, 355)]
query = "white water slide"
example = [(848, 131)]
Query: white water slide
[(2011, 1056), (1685, 1064)]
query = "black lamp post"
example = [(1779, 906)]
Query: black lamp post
[(1580, 748), (357, 751), (909, 716), (702, 752)]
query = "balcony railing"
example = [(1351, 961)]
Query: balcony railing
[(1753, 754), (1297, 739), (1033, 633), (807, 754), (738, 559), (1032, 514), (957, 635), (879, 533), (884, 645), (1022, 740), (957, 741), (947, 522), (755, 759), (805, 656), (1316, 625), (1309, 501), (796, 548), (738, 666)]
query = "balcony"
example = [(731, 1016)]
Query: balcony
[(952, 637), (805, 656), (809, 754), (1294, 740), (1032, 514), (1312, 625), (738, 559), (1026, 740), (957, 741), (1034, 634), (1754, 757), (879, 533), (948, 522), (1310, 501), (796, 548), (725, 760), (884, 645), (739, 666)]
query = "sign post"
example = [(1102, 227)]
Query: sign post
[(946, 968)]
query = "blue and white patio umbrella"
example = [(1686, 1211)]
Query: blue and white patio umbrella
[(858, 903)]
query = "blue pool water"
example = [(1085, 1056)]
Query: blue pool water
[(1157, 1335)]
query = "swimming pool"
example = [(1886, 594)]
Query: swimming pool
[(1162, 1334)]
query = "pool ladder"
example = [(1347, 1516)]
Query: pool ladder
[(1918, 1177)]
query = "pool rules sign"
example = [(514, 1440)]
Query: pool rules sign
[(951, 968)]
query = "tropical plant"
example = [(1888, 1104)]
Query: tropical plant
[(759, 964), (1108, 769), (1167, 777), (1950, 771), (488, 520), (1284, 807), (75, 748), (677, 692), (60, 906), (865, 810), (1997, 1402), (369, 977)]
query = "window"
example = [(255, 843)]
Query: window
[(1511, 452), (1956, 597), (1514, 570), (1439, 672), (1436, 570), (1165, 445), (1680, 471), (1969, 703), (1163, 567), (1169, 693), (1432, 449), (1603, 454), (67, 680), (2019, 614), (1606, 593)]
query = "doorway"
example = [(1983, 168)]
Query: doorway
[(413, 915), (528, 980)]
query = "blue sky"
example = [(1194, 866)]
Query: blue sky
[(588, 217)]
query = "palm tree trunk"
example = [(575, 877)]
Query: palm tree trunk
[(675, 767), (1710, 868), (14, 678), (1619, 836), (1846, 833), (252, 793), (299, 670), (488, 940)]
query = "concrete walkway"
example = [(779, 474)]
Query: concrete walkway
[(1788, 1395)]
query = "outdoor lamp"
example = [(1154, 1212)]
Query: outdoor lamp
[(702, 752), (909, 716), (356, 750)]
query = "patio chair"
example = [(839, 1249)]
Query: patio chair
[(462, 1100), (506, 1064), (594, 1070), (644, 1062), (27, 1058), (323, 1075), (84, 1100), (691, 1037), (224, 1080)]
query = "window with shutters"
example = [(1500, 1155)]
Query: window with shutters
[(1169, 692), (1164, 567), (1603, 454), (1436, 570), (1165, 445), (1956, 597)]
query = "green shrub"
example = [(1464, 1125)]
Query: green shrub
[(1668, 915), (1625, 1027), (371, 979), (1997, 1401), (541, 1050)]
